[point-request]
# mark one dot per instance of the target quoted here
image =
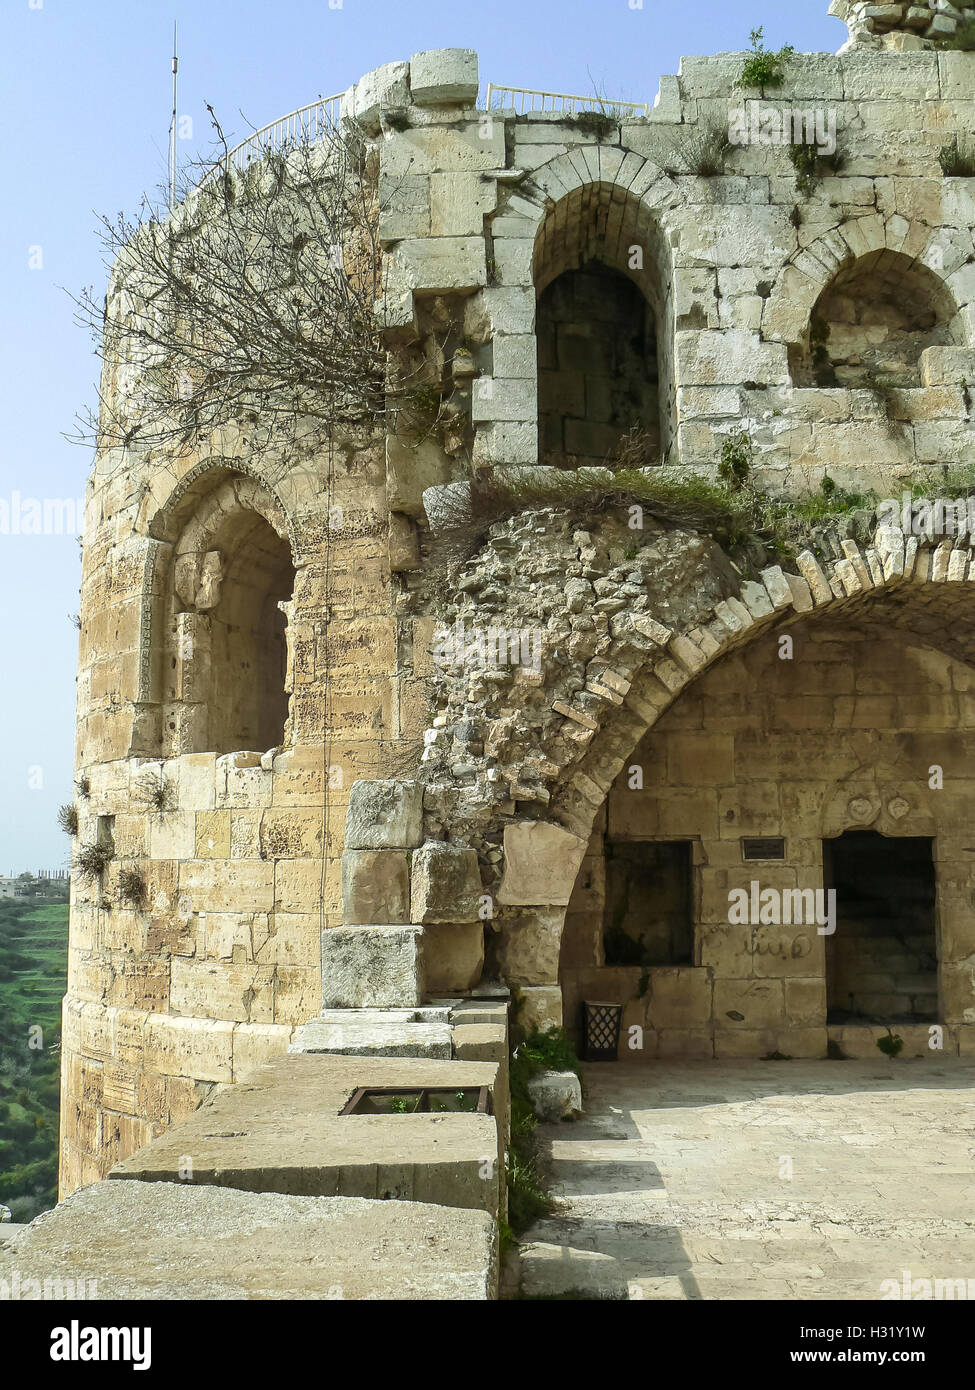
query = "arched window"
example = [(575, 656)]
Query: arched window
[(872, 322), (605, 387), (225, 654)]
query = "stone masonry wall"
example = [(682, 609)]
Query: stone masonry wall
[(840, 736), (242, 856)]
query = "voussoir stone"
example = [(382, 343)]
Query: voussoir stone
[(541, 861)]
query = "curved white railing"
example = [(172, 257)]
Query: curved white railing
[(526, 99), (306, 125), (309, 123)]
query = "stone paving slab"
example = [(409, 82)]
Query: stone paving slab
[(787, 1180)]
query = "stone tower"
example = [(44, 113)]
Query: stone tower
[(553, 763)]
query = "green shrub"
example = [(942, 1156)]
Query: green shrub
[(91, 861), (132, 887), (892, 1045), (68, 819), (736, 461), (528, 1197), (601, 124), (703, 152), (805, 162), (963, 39), (763, 67)]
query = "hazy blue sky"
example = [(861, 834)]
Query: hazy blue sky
[(87, 107)]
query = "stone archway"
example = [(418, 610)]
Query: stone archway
[(516, 759)]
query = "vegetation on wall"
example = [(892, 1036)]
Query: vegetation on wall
[(764, 67), (254, 301), (529, 1199), (33, 973)]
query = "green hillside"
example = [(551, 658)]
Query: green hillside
[(33, 973)]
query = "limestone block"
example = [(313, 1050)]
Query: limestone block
[(680, 997), (711, 359), (384, 87), (548, 1271), (172, 835), (404, 206), (404, 548), (515, 356), (444, 75), (541, 862), (506, 309), (149, 1241), (506, 441), (459, 203), (384, 815), (377, 967), (375, 886), (501, 399), (527, 951), (541, 1008), (445, 883), (556, 1095), (447, 506), (453, 956), (947, 366), (440, 265), (461, 148), (355, 1036), (410, 469)]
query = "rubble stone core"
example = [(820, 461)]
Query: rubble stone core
[(273, 732)]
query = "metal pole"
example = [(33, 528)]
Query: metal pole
[(172, 131)]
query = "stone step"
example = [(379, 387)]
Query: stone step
[(393, 1038)]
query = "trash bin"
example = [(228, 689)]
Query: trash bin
[(602, 1030)]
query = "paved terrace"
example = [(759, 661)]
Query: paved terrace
[(675, 1184)]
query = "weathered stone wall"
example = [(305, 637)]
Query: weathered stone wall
[(841, 736), (480, 212)]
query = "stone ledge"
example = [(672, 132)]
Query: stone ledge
[(283, 1132), (173, 1241)]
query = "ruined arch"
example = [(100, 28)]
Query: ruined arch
[(807, 275), (871, 323), (604, 330), (760, 771), (221, 649), (532, 817)]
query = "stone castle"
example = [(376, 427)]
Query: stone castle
[(351, 781)]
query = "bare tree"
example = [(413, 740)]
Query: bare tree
[(258, 297)]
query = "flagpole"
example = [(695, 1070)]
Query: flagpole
[(172, 131)]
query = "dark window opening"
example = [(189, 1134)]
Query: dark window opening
[(597, 369), (882, 960), (648, 917)]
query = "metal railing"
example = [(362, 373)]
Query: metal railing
[(309, 123), (306, 125), (526, 99)]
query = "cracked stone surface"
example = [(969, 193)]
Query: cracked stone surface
[(677, 1174)]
